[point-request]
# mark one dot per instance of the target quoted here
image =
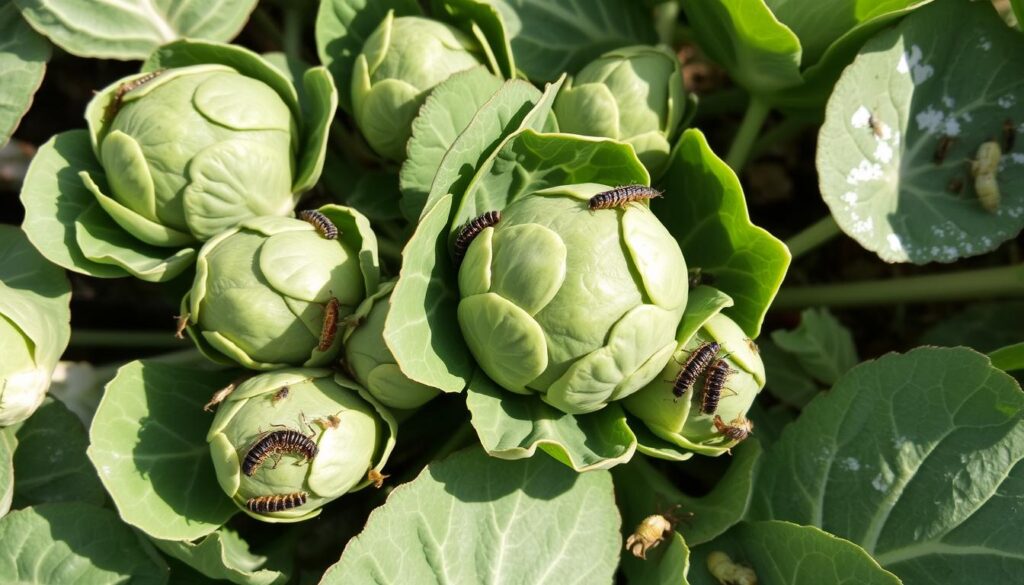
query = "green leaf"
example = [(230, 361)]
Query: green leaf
[(786, 554), (7, 447), (642, 490), (449, 109), (50, 459), (821, 345), (133, 28), (474, 519), (951, 70), (23, 57), (1018, 11), (342, 27), (1009, 358), (935, 429), (319, 103), (148, 443), (483, 20), (513, 426), (668, 564), (981, 326), (222, 555), (74, 543), (769, 422), (785, 378), (705, 210)]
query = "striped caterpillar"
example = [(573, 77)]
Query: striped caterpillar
[(471, 230), (278, 442), (695, 364), (323, 226), (621, 196), (276, 503)]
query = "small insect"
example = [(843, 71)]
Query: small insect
[(323, 226), (471, 230), (694, 365), (648, 534), (753, 346), (222, 394), (330, 326), (713, 385), (984, 170), (276, 503), (180, 325), (877, 126), (942, 148), (697, 277), (330, 421), (376, 478), (737, 430), (280, 395), (728, 572), (955, 185), (115, 104), (1009, 135), (621, 196), (278, 443)]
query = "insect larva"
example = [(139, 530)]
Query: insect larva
[(115, 104), (276, 503), (280, 395), (713, 385), (694, 365), (648, 534), (737, 430), (330, 421), (376, 478), (621, 196), (984, 170), (275, 443), (942, 148), (955, 185), (471, 230), (1009, 135), (323, 226), (330, 326), (725, 570)]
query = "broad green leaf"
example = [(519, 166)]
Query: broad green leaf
[(51, 461), (34, 295), (182, 574), (131, 29), (1009, 358), (1018, 11), (61, 543), (222, 555), (319, 103), (373, 192), (981, 326), (7, 447), (667, 564), (514, 426), (934, 430), (822, 346), (148, 443), (23, 57), (449, 109), (785, 378), (642, 490), (705, 210), (551, 37), (483, 20), (342, 27), (946, 79), (769, 422), (781, 553), (472, 519)]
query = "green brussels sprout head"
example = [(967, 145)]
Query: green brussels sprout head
[(372, 364), (23, 382), (576, 305), (401, 62), (273, 291), (633, 94), (338, 442), (189, 152), (694, 421)]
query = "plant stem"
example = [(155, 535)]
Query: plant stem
[(293, 33), (120, 338), (1005, 281), (792, 125), (726, 101), (813, 236), (750, 127)]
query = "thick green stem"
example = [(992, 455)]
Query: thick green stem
[(135, 339), (293, 32), (1005, 281), (813, 236), (750, 127)]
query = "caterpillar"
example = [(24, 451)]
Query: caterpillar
[(694, 365), (713, 385), (277, 442), (1009, 135), (984, 170), (737, 430), (942, 148), (115, 104), (276, 503), (323, 226), (471, 230), (622, 195), (330, 326)]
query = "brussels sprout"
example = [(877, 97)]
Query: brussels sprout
[(633, 94), (191, 151), (401, 62), (579, 306), (371, 362), (680, 420), (353, 437), (264, 293), (24, 382)]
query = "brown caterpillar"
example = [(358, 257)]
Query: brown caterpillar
[(115, 104), (713, 385), (1009, 135), (276, 503), (737, 430), (278, 442), (694, 365), (471, 230), (621, 196), (330, 326), (323, 226), (942, 148)]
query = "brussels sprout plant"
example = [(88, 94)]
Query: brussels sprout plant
[(511, 291)]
